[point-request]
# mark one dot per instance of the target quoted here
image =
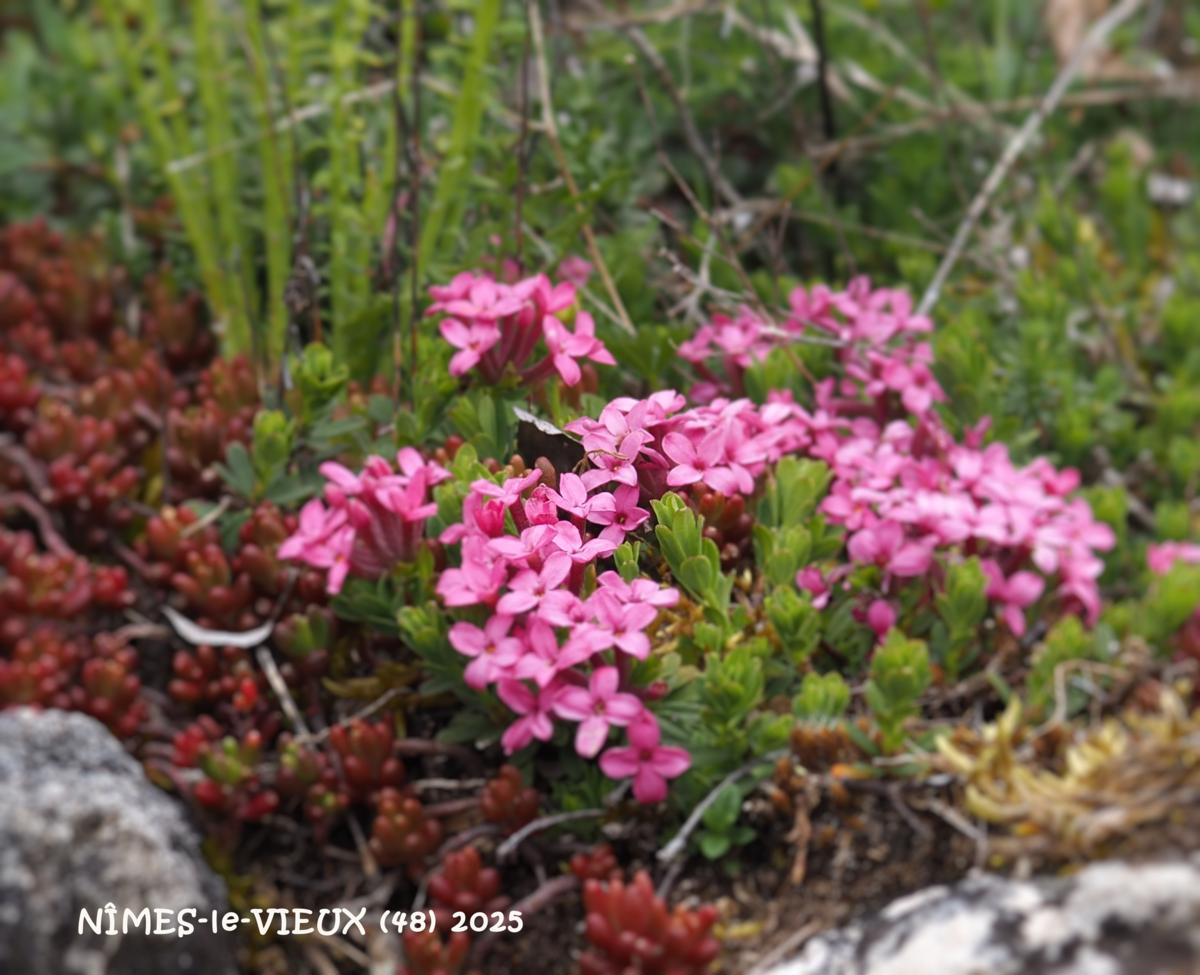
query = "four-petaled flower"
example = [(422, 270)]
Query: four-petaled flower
[(705, 461), (884, 545), (1014, 594), (598, 707), (493, 651), (648, 762), (565, 347), (535, 710), (472, 341), (528, 587)]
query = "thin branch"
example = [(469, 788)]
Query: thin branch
[(828, 120), (271, 671), (551, 128), (41, 517), (1095, 37), (966, 106), (691, 134), (18, 456), (786, 948), (663, 15), (679, 843), (510, 845), (1181, 88), (378, 704)]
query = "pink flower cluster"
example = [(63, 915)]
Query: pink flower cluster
[(1161, 557), (496, 326), (903, 493), (874, 331), (559, 641), (906, 490), (650, 446), (369, 522)]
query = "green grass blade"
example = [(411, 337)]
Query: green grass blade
[(214, 86), (169, 138), (468, 117), (275, 160)]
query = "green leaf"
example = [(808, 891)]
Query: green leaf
[(626, 558), (714, 845), (724, 811), (796, 621), (238, 470), (696, 573), (962, 605), (468, 727), (291, 490), (900, 673), (823, 698), (793, 492)]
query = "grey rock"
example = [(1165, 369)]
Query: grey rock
[(1111, 918), (81, 828)]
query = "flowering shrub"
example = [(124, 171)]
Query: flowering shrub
[(496, 328), (1176, 594), (559, 636), (640, 607), (373, 520)]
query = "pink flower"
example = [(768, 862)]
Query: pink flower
[(540, 508), (1160, 557), (479, 517), (412, 464), (625, 622), (571, 496), (535, 719), (458, 288), (584, 643), (599, 707), (619, 510), (519, 549), (527, 588), (540, 661), (492, 650), (568, 538), (575, 270), (705, 462), (338, 552), (472, 341), (1019, 590), (884, 545), (616, 465), (881, 617), (649, 763), (563, 608), (311, 539), (484, 301), (477, 581), (638, 591), (565, 347), (546, 297), (508, 493), (375, 519), (341, 482), (812, 581)]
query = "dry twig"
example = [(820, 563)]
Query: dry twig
[(551, 129), (1017, 145)]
